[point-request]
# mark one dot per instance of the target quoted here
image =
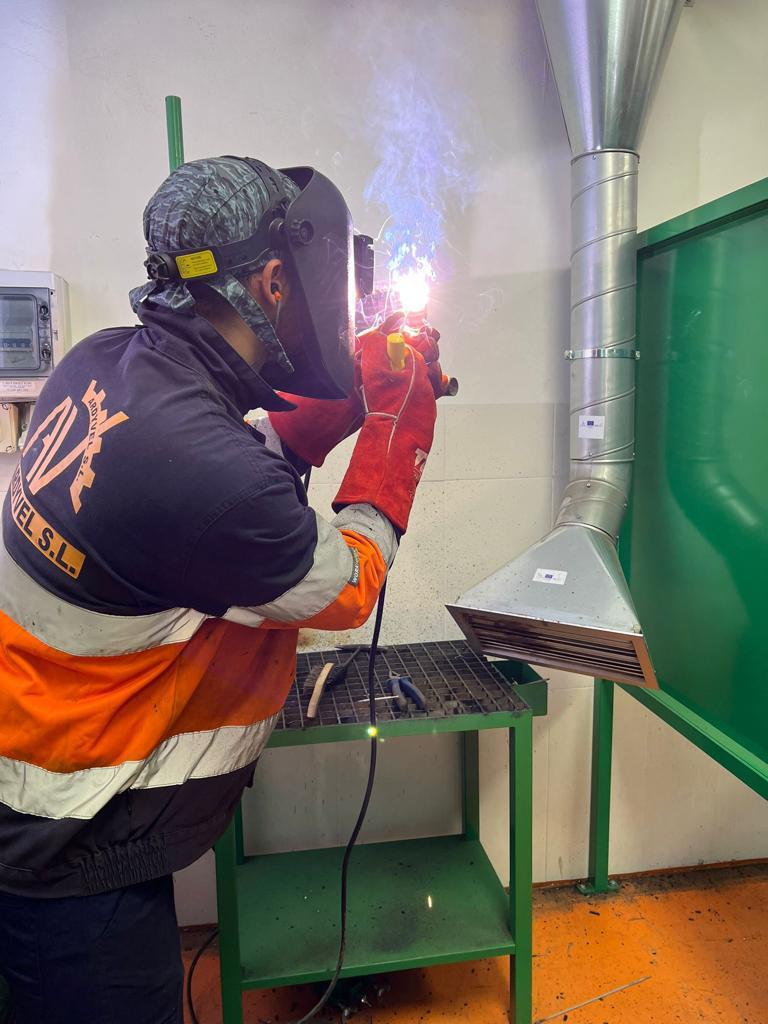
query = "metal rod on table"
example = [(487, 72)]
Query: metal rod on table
[(175, 131)]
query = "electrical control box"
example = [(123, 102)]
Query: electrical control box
[(34, 335)]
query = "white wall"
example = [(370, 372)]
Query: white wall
[(33, 63), (288, 83)]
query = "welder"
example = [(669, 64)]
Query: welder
[(159, 556)]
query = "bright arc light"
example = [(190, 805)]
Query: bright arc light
[(412, 286)]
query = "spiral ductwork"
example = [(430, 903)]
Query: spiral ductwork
[(565, 602), (603, 353)]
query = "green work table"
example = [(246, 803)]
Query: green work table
[(412, 903)]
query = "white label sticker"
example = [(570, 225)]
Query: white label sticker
[(592, 426), (29, 388), (558, 576)]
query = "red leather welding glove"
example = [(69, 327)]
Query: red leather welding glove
[(424, 338), (396, 436), (317, 425)]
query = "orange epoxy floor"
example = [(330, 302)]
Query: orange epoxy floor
[(699, 937)]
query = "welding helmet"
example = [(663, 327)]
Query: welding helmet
[(258, 213)]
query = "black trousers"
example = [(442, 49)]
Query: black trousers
[(108, 959)]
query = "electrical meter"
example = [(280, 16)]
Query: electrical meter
[(34, 335)]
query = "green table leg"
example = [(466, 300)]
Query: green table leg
[(229, 928), (600, 804), (521, 868), (237, 824), (471, 784)]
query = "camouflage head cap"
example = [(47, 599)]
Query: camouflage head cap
[(211, 202)]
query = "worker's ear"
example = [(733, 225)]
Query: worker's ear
[(267, 286)]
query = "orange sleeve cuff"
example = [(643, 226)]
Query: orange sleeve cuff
[(357, 598)]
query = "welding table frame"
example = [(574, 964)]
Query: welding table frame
[(265, 902)]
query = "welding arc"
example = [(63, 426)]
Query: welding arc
[(363, 809)]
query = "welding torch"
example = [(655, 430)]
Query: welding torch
[(396, 343)]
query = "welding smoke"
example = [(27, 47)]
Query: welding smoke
[(418, 121)]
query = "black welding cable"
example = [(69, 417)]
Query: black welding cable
[(352, 839), (355, 831), (363, 809), (191, 971)]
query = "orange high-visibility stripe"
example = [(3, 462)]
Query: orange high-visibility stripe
[(356, 600), (63, 712)]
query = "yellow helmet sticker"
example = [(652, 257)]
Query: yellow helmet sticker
[(196, 264)]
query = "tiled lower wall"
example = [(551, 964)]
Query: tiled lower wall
[(7, 466), (489, 489)]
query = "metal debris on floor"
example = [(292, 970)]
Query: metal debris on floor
[(678, 948)]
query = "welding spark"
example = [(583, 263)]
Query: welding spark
[(412, 285), (407, 288)]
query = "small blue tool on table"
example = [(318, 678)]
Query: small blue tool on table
[(404, 689)]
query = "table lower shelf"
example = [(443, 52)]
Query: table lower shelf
[(411, 904)]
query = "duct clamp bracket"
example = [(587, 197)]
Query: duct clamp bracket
[(602, 353)]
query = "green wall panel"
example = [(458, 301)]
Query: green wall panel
[(696, 543)]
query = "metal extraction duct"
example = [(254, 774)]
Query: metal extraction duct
[(564, 602)]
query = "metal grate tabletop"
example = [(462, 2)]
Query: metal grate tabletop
[(453, 678)]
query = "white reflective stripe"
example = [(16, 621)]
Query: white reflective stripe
[(74, 630), (271, 437), (368, 521), (311, 595), (331, 570), (82, 794), (243, 617)]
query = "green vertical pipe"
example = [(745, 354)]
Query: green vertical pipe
[(229, 928), (175, 131), (521, 868), (600, 803), (471, 784), (237, 823)]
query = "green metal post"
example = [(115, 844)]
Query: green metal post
[(229, 928), (521, 868), (471, 784), (175, 132), (600, 803), (237, 823)]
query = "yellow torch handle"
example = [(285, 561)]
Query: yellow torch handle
[(396, 351)]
